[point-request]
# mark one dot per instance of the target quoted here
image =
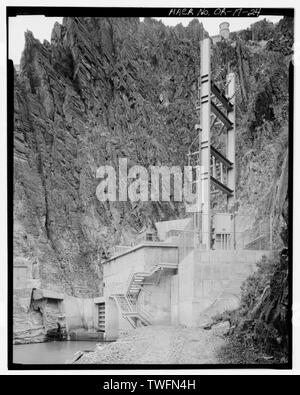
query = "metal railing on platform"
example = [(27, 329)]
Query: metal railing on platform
[(147, 237), (228, 232)]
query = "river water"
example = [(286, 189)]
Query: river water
[(58, 352)]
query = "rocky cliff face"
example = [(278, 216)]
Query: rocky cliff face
[(106, 88), (84, 100)]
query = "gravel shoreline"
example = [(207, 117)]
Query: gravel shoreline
[(160, 345)]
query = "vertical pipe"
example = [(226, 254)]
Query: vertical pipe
[(234, 231), (214, 166), (204, 140), (221, 172), (199, 185), (230, 140), (271, 233)]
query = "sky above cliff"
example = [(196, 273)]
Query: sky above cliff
[(42, 26)]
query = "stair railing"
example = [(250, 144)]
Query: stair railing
[(142, 311), (129, 281), (133, 307), (145, 313)]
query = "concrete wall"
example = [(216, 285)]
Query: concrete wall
[(154, 255), (111, 320), (157, 298), (186, 290), (174, 300), (210, 281), (117, 270), (22, 275), (179, 224), (79, 312)]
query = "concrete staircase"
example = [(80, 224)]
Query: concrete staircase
[(130, 311), (136, 279)]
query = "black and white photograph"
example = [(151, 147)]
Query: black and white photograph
[(150, 188)]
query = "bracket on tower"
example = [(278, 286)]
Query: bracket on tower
[(221, 97)]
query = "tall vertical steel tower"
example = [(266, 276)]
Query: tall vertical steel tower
[(216, 111)]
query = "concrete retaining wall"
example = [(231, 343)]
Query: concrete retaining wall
[(186, 290), (174, 300), (158, 300), (210, 281), (79, 313)]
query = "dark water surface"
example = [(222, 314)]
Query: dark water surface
[(49, 352)]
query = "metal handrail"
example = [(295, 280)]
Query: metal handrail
[(129, 280), (144, 313)]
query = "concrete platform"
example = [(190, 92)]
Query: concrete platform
[(86, 335)]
